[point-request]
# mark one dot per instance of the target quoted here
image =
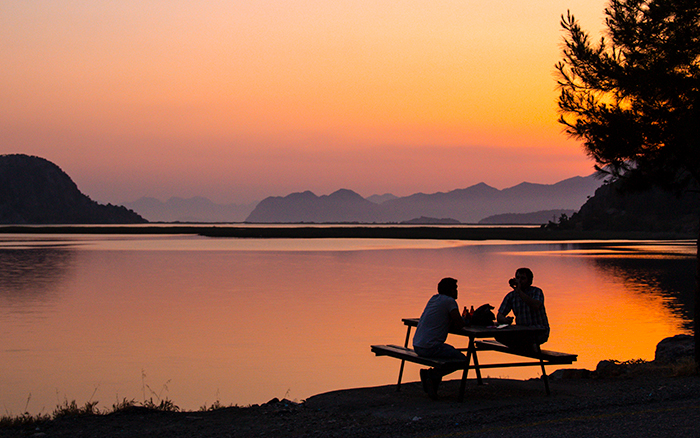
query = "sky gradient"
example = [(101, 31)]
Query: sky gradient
[(239, 100)]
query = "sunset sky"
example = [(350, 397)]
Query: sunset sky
[(239, 100)]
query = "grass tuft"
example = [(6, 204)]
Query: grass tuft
[(164, 405), (71, 409), (214, 406), (123, 405)]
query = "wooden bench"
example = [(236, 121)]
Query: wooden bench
[(541, 357), (548, 356), (405, 353), (544, 357)]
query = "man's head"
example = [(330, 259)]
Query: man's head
[(524, 277), (448, 286)]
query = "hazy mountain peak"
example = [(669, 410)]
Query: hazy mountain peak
[(481, 189), (345, 195), (197, 200), (306, 194), (527, 184), (195, 209), (378, 199), (482, 185)]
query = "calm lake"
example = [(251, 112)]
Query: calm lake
[(199, 320)]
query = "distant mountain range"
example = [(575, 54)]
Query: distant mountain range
[(36, 191), (540, 202), (196, 209), (469, 205)]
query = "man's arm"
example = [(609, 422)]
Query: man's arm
[(456, 321), (504, 310), (502, 319), (532, 303)]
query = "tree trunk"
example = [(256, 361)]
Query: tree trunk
[(696, 305)]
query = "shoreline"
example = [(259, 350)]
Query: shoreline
[(349, 231)]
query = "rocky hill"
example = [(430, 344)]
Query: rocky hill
[(468, 205), (615, 207), (36, 191)]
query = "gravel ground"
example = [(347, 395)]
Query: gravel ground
[(642, 404)]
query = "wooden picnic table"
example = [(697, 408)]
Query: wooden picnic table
[(480, 339)]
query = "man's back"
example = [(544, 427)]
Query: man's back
[(434, 323)]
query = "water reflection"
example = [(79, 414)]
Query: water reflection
[(671, 278), (33, 274)]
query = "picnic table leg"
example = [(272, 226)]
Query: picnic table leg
[(403, 362), (544, 373), (463, 384), (398, 384), (476, 362), (408, 336)]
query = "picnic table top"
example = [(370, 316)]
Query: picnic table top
[(476, 331)]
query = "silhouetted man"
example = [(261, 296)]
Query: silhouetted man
[(527, 304), (441, 315)]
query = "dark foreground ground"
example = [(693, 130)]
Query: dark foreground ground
[(649, 404)]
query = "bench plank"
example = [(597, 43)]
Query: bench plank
[(411, 356), (552, 357)]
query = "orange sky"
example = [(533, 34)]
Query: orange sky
[(238, 100)]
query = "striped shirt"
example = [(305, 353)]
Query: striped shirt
[(524, 315)]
